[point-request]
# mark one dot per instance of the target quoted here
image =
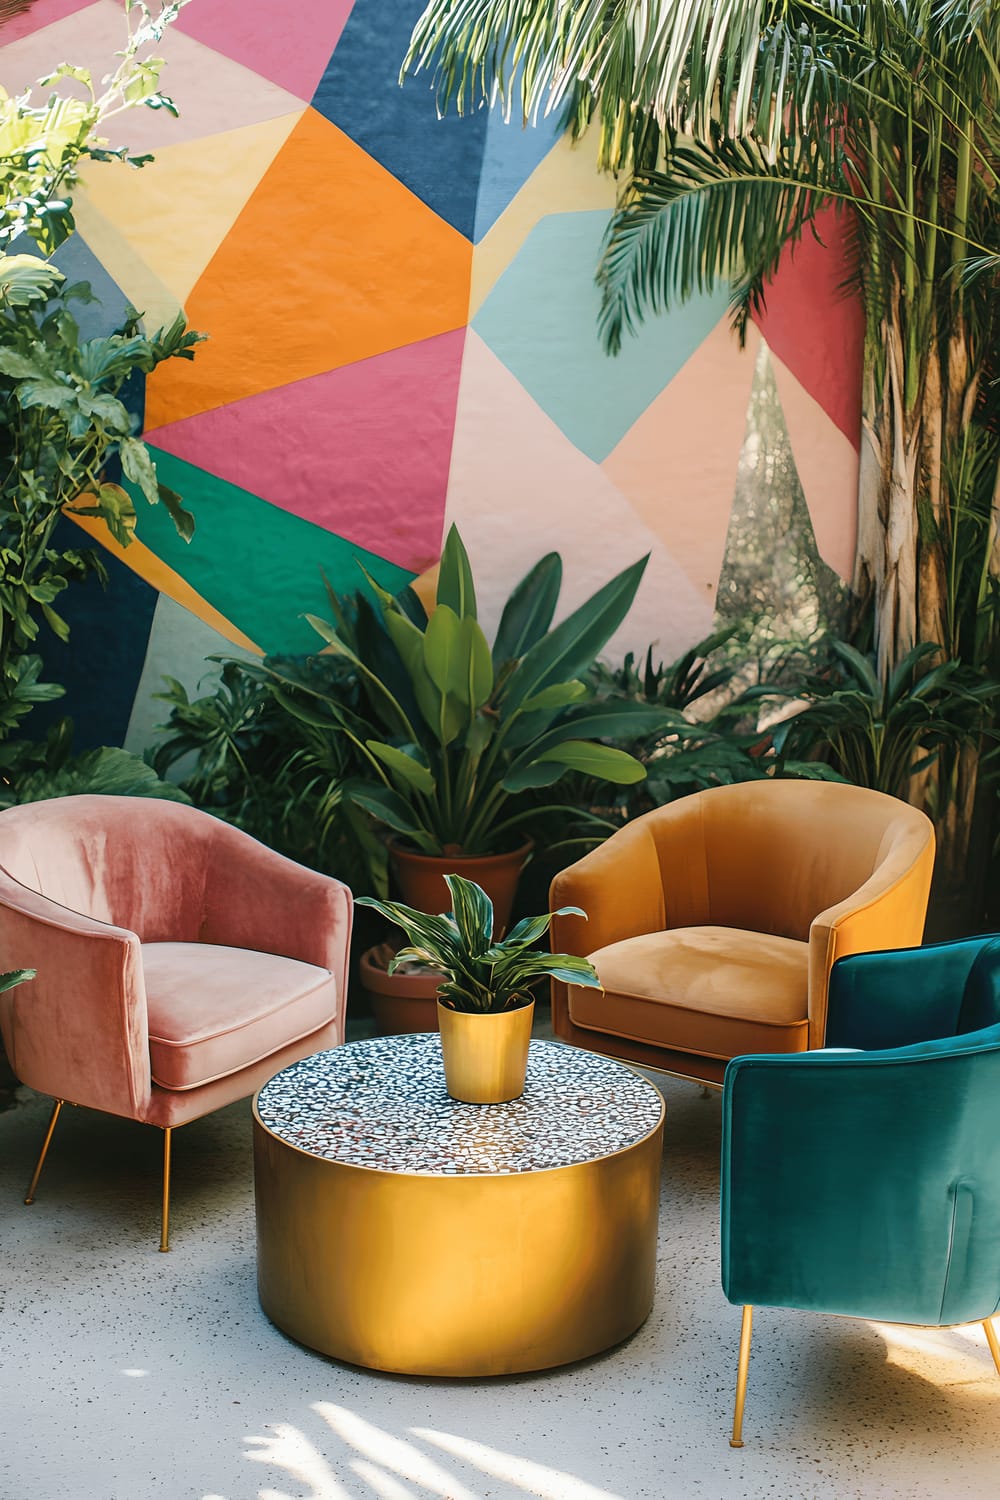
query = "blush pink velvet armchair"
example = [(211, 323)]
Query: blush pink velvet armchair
[(179, 962)]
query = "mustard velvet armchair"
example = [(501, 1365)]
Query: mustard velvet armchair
[(864, 1180), (180, 963), (714, 922)]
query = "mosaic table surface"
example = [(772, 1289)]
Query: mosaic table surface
[(382, 1103)]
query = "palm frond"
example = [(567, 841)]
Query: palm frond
[(721, 210)]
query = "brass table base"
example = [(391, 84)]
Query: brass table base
[(472, 1274)]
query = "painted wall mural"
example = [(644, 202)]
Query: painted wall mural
[(401, 320)]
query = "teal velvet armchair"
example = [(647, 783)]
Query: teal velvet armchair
[(864, 1178)]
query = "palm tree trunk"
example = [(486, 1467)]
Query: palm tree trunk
[(887, 565)]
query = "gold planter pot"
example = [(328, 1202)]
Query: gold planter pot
[(485, 1055)]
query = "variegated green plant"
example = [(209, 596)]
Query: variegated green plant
[(478, 974)]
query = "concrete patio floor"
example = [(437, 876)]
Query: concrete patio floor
[(128, 1374)]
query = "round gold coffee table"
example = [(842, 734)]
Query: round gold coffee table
[(401, 1230)]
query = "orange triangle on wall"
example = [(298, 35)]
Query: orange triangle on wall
[(331, 260)]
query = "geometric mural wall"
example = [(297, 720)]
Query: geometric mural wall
[(401, 321)]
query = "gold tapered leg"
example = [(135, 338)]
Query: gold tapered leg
[(30, 1195), (165, 1212), (736, 1441), (994, 1343)]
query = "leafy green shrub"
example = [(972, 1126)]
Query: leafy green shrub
[(454, 737), (248, 753), (33, 773), (883, 734)]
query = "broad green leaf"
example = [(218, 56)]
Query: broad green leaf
[(613, 718), (859, 665), (568, 649), (556, 695), (183, 519), (476, 652), (138, 466), (304, 713), (534, 775), (391, 809), (115, 505), (55, 622), (389, 602), (440, 712), (473, 912), (435, 934), (442, 653), (455, 586), (525, 932), (403, 767), (528, 612), (19, 366), (392, 711), (602, 761), (25, 279)]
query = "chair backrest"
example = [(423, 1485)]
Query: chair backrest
[(866, 1183), (138, 864), (779, 852), (981, 997)]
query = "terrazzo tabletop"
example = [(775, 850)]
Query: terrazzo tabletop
[(381, 1103)]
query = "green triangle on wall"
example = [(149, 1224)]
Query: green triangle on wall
[(258, 565)]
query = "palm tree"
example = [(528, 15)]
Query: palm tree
[(732, 124)]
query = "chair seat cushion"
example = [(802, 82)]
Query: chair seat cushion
[(213, 1011), (715, 991)]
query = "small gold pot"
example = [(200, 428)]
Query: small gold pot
[(485, 1054)]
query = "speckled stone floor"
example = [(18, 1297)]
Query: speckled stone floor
[(127, 1374)]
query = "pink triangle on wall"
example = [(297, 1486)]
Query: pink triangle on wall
[(363, 450), (289, 44)]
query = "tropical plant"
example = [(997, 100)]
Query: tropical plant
[(710, 732), (696, 674), (36, 772), (478, 974), (252, 761), (42, 146), (454, 736), (884, 734), (63, 420), (64, 414)]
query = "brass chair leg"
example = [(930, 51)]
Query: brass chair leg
[(736, 1441), (165, 1210), (30, 1195), (993, 1341)]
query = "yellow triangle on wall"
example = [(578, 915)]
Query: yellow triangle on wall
[(565, 181), (175, 213), (159, 307)]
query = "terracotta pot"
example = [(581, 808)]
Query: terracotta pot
[(485, 1055), (421, 878), (400, 1002)]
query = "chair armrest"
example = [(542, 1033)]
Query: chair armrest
[(887, 911), (847, 1182), (78, 1030), (257, 899), (892, 998), (620, 888)]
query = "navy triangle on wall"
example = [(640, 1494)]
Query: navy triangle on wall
[(439, 160)]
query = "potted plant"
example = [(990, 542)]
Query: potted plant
[(485, 991), (454, 737)]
